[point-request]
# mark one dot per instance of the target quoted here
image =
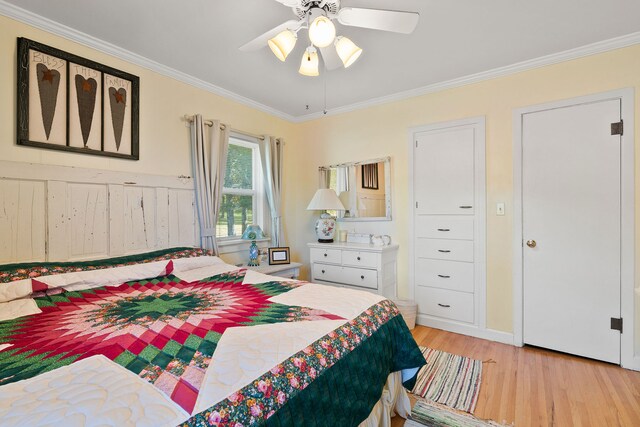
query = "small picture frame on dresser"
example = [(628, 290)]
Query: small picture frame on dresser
[(279, 256)]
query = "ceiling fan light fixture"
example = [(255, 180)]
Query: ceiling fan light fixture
[(347, 51), (309, 63), (282, 44), (322, 32)]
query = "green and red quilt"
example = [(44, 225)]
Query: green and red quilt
[(196, 341)]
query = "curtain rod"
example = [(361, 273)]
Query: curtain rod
[(209, 123)]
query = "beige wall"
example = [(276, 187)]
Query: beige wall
[(382, 131), (370, 133), (164, 137)]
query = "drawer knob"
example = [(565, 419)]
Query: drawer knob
[(358, 258), (325, 254), (444, 305), (444, 229), (322, 271), (465, 207), (444, 251), (362, 277), (443, 276)]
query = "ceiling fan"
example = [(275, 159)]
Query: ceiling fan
[(316, 16)]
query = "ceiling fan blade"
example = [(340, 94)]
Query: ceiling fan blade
[(378, 19), (261, 41), (330, 57)]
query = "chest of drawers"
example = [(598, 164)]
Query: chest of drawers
[(447, 246), (357, 266)]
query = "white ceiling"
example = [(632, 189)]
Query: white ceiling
[(454, 38)]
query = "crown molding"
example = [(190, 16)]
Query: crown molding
[(40, 22), (543, 61), (14, 12)]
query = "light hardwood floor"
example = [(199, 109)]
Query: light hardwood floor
[(536, 387)]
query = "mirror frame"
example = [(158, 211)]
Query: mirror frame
[(387, 187)]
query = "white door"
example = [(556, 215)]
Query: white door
[(444, 171), (571, 229)]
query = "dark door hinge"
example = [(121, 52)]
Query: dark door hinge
[(616, 323), (617, 128)]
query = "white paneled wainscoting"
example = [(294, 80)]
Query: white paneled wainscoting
[(60, 213)]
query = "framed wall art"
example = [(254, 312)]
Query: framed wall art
[(70, 103), (279, 256), (370, 176)]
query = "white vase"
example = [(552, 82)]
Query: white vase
[(325, 228)]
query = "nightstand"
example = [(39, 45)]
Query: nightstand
[(289, 271)]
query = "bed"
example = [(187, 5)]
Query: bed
[(178, 337)]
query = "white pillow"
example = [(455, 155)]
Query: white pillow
[(76, 281), (186, 264)]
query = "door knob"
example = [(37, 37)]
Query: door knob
[(531, 243)]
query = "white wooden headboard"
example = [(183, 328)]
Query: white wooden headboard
[(60, 213)]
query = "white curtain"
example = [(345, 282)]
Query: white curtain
[(342, 179), (209, 161), (324, 176), (271, 156), (353, 194)]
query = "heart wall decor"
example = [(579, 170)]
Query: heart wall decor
[(86, 90), (118, 102), (48, 85), (70, 103)]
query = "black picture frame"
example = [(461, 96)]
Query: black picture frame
[(279, 256), (86, 124), (369, 174)]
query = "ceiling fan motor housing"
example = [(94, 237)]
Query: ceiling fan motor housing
[(331, 7)]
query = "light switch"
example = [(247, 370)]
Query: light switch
[(500, 209)]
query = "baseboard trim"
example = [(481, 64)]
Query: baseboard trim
[(465, 329), (635, 364)]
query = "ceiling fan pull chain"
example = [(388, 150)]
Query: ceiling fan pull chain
[(325, 94)]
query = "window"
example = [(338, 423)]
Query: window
[(242, 195)]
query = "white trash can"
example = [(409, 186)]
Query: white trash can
[(408, 309)]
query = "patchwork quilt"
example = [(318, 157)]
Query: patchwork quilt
[(222, 345)]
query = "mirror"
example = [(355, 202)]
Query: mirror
[(364, 188)]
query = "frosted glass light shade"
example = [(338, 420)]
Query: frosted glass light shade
[(325, 199), (322, 32), (347, 51), (282, 44), (253, 232), (309, 63)]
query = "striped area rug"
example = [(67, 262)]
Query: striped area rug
[(449, 379), (434, 415)]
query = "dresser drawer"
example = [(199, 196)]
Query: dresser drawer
[(360, 259), (346, 275), (333, 256), (444, 227), (452, 250), (452, 275), (444, 303), (360, 277), (328, 272)]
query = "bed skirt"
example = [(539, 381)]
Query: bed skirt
[(394, 400)]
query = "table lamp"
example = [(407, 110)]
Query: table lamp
[(252, 233), (325, 199)]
